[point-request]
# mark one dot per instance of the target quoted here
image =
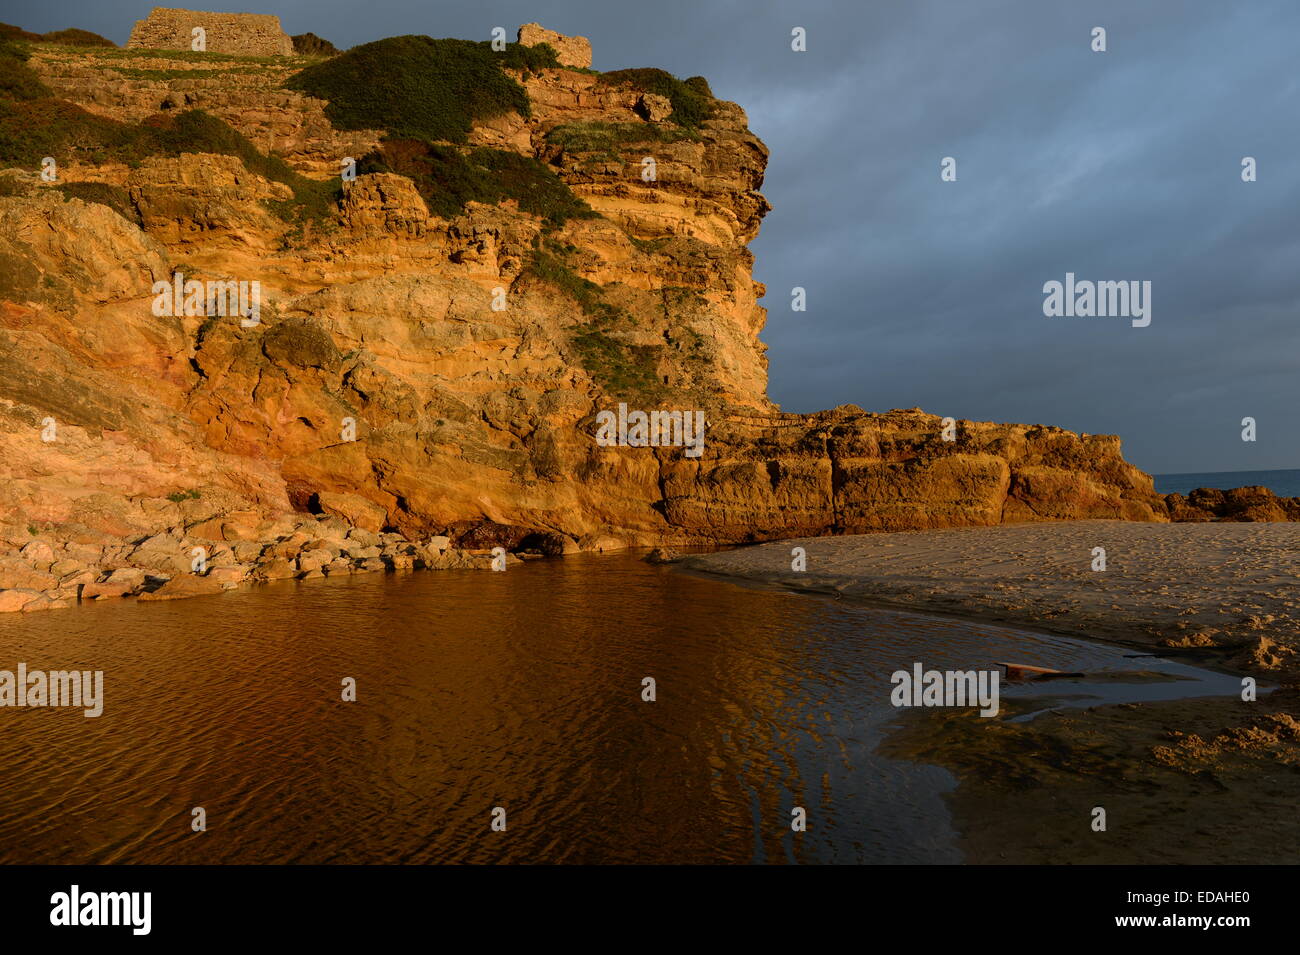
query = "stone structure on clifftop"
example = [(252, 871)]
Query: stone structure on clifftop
[(242, 34), (570, 50)]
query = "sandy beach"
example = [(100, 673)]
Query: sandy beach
[(1190, 781)]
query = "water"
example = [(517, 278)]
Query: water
[(1283, 483), (477, 690)]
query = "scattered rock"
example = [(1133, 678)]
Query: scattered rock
[(229, 576), (45, 602), (15, 600), (38, 553), (185, 585), (310, 562), (662, 555), (600, 543), (653, 107), (354, 509), (132, 578), (103, 589), (20, 575), (276, 569)]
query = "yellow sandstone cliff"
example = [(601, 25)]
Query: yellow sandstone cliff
[(469, 350)]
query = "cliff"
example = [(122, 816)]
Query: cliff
[(438, 335)]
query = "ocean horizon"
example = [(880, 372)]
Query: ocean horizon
[(1283, 482)]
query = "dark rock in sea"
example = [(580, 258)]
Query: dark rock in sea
[(1253, 503), (662, 555)]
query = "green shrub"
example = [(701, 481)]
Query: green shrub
[(18, 81), (115, 197), (698, 85), (309, 44), (313, 199), (619, 368), (448, 177), (75, 37), (649, 246), (195, 131), (548, 265), (414, 87), (692, 100), (10, 32), (31, 130), (530, 59)]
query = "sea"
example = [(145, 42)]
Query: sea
[(1283, 483)]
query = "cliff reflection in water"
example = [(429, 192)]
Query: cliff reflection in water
[(476, 690)]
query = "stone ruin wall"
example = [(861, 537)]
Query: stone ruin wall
[(242, 34), (569, 50), (260, 34)]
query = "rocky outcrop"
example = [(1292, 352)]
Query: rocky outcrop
[(569, 50), (847, 471), (1253, 503), (241, 34)]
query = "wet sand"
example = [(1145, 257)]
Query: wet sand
[(1188, 781)]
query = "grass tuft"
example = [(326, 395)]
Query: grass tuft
[(618, 367)]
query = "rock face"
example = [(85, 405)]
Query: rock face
[(242, 34), (439, 374), (570, 50), (1252, 503)]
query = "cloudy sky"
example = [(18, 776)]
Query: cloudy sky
[(1123, 165)]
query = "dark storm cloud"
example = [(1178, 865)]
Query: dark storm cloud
[(1116, 165)]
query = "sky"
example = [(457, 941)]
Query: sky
[(1123, 165)]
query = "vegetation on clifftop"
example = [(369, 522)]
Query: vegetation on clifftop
[(18, 81), (309, 44), (70, 37), (10, 32), (449, 176), (75, 37), (416, 87), (31, 129), (691, 98)]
